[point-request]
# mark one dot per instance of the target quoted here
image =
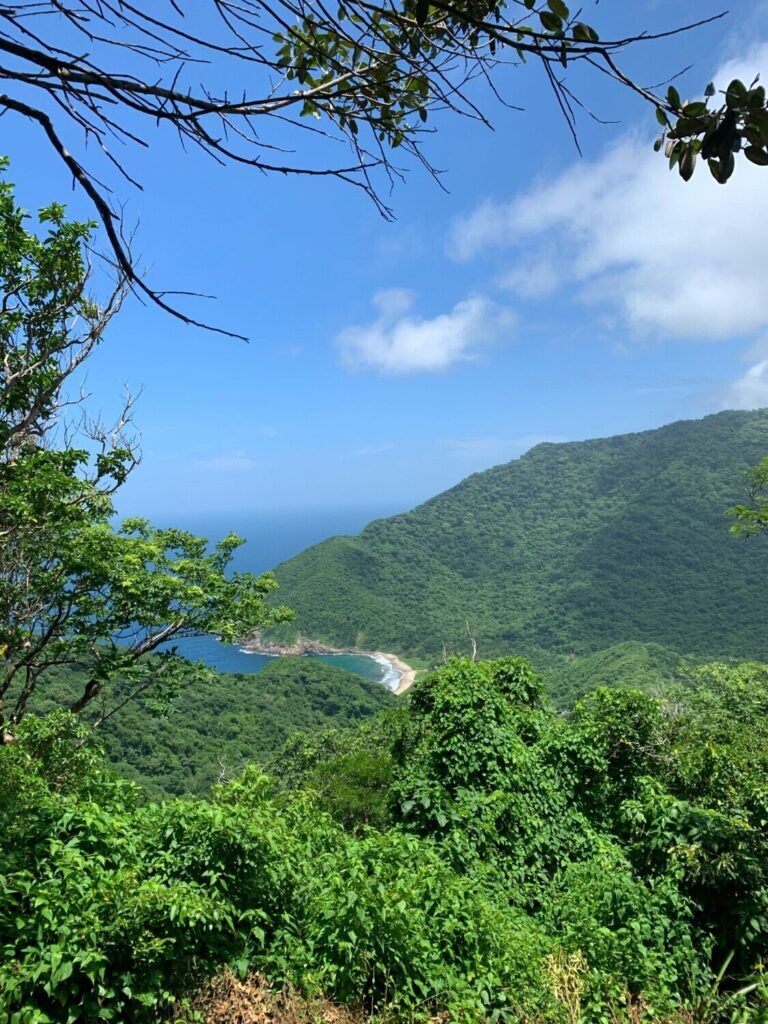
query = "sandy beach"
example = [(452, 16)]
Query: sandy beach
[(303, 646), (407, 674)]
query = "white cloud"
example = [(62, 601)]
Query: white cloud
[(399, 342), (673, 259), (750, 391), (531, 280)]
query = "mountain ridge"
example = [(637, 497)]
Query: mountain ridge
[(571, 547)]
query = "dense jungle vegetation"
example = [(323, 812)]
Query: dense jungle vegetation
[(571, 548), (470, 853), (632, 664), (199, 734), (190, 739)]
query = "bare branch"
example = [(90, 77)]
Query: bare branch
[(371, 72)]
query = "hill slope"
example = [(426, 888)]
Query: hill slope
[(632, 664), (572, 547), (229, 722)]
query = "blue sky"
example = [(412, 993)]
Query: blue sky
[(541, 296)]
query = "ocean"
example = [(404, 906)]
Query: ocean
[(271, 538)]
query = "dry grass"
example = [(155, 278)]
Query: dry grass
[(229, 1000), (566, 975)]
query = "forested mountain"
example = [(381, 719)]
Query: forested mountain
[(643, 666), (571, 548), (208, 732)]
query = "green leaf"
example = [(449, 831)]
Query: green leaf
[(756, 156), (718, 172), (687, 164), (673, 97), (736, 93), (585, 33), (559, 8), (551, 22)]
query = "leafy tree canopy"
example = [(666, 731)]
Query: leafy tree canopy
[(752, 519), (75, 589)]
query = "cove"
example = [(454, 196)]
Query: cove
[(229, 658)]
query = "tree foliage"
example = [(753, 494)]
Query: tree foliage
[(49, 325), (75, 589), (752, 519), (181, 740), (240, 80), (608, 866), (571, 548), (735, 122)]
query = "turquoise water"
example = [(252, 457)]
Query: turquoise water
[(272, 538), (226, 658)]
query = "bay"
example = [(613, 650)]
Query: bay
[(271, 538)]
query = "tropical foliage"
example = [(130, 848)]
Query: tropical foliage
[(634, 665), (520, 866), (182, 740), (572, 548), (75, 589)]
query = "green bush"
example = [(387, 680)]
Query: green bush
[(525, 866)]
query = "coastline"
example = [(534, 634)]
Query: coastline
[(406, 673), (398, 675)]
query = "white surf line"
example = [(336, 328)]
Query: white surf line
[(393, 675)]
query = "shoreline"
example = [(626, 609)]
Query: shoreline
[(304, 648), (407, 674)]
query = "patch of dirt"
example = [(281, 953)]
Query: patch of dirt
[(229, 1000)]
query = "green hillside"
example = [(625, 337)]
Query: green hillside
[(643, 666), (212, 730), (571, 548)]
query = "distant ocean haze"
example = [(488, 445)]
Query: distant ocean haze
[(271, 536)]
